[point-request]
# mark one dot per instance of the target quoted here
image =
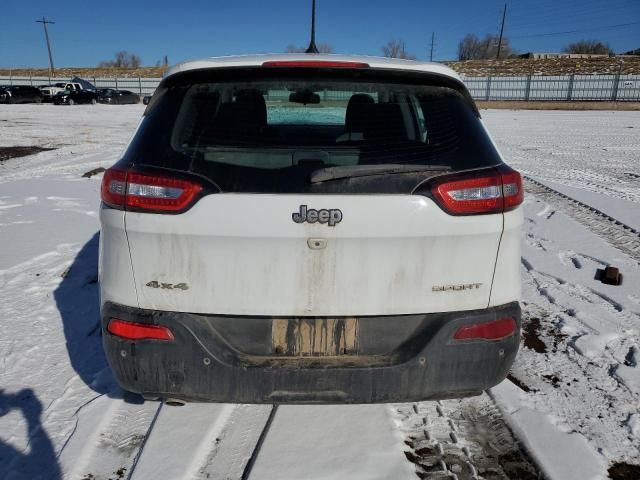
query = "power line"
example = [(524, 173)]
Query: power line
[(581, 19), (550, 34), (521, 10), (571, 13), (44, 22)]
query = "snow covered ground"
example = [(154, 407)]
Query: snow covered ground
[(572, 401)]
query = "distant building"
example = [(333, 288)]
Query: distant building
[(541, 56)]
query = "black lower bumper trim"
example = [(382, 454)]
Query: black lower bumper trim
[(399, 359)]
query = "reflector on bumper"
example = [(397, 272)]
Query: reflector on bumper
[(138, 331)]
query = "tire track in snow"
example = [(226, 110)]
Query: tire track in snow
[(237, 442), (579, 378), (108, 438), (181, 441), (124, 438), (582, 394), (464, 439), (259, 442), (615, 232)]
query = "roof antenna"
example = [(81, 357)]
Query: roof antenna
[(312, 44)]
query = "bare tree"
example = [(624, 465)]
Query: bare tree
[(397, 49), (322, 48), (472, 47), (123, 59), (164, 62), (589, 46)]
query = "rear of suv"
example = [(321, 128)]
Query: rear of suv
[(310, 228)]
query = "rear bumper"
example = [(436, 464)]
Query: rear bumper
[(231, 359)]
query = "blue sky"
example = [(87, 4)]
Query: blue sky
[(85, 34)]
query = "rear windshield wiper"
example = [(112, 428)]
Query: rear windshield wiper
[(350, 171)]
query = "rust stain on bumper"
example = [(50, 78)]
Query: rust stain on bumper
[(315, 336)]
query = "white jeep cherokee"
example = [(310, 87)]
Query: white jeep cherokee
[(310, 228)]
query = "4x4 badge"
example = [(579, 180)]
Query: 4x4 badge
[(331, 216), (167, 286)]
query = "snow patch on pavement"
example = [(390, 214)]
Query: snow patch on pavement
[(332, 441)]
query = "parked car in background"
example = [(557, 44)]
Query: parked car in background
[(50, 91), (77, 83), (71, 97), (20, 94), (117, 97)]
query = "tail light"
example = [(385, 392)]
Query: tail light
[(138, 331), (494, 190), (126, 190), (495, 330)]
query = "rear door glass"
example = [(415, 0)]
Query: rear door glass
[(270, 135)]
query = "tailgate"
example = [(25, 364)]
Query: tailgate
[(242, 254)]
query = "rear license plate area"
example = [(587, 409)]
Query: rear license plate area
[(314, 337)]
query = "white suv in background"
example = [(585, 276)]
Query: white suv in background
[(310, 228)]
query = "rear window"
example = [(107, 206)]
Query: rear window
[(269, 135)]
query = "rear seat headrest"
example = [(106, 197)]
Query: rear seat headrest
[(243, 119), (385, 123), (358, 110)]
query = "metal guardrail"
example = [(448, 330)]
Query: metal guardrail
[(613, 87)]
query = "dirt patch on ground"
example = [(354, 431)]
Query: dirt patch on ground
[(87, 73), (542, 105), (14, 152), (625, 65), (520, 384), (553, 379), (531, 335), (624, 471), (515, 465), (93, 172)]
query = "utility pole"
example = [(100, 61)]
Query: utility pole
[(433, 39), (44, 22), (504, 14)]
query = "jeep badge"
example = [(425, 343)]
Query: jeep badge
[(329, 216)]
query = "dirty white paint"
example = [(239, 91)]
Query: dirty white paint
[(244, 255)]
